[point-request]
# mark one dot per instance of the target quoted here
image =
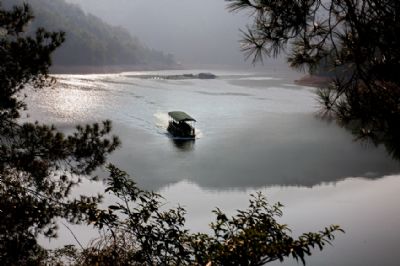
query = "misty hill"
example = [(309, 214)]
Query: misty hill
[(90, 41), (197, 32)]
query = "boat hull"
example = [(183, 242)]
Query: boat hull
[(181, 130)]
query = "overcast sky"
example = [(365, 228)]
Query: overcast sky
[(194, 31)]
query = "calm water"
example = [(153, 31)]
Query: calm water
[(256, 132)]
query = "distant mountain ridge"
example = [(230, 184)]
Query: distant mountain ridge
[(89, 40)]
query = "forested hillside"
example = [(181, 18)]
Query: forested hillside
[(89, 40)]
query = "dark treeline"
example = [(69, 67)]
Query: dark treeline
[(90, 41)]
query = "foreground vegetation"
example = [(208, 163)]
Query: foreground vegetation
[(40, 166), (355, 42)]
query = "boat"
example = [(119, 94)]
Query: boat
[(181, 125)]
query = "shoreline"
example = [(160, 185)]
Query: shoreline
[(307, 80), (107, 69), (313, 81)]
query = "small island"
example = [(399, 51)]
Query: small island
[(178, 77)]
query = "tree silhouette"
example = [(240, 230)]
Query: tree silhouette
[(356, 41), (39, 166)]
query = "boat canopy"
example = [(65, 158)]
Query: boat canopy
[(181, 116)]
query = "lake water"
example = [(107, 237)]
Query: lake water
[(255, 132)]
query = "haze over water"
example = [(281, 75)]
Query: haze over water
[(256, 132)]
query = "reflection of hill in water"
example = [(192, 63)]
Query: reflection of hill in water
[(247, 143), (291, 150)]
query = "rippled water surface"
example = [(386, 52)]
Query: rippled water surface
[(255, 132)]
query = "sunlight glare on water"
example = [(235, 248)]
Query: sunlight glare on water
[(254, 132)]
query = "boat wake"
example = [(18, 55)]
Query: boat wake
[(161, 120)]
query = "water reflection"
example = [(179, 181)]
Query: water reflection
[(283, 150), (275, 145), (249, 143), (387, 136), (184, 145), (367, 209)]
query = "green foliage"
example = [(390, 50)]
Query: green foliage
[(254, 237), (37, 162), (139, 231), (39, 167), (356, 41)]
